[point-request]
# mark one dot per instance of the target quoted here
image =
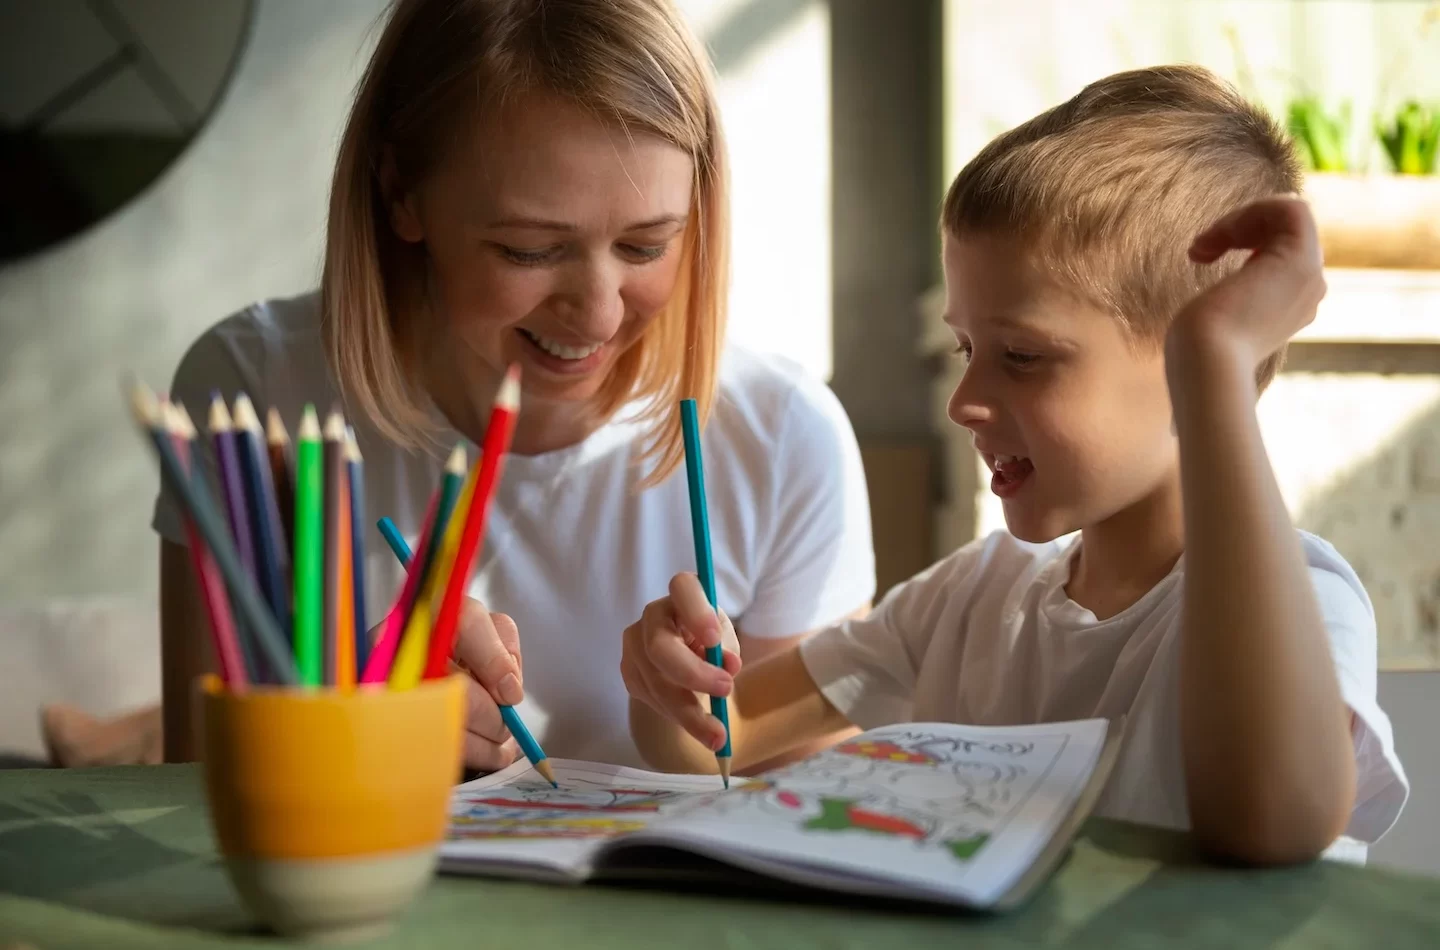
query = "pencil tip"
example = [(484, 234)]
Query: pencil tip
[(724, 763), (309, 423), (352, 446), (455, 465), (275, 427), (509, 397), (143, 404), (245, 417), (219, 415), (334, 427)]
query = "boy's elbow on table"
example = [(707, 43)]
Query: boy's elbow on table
[(1271, 825)]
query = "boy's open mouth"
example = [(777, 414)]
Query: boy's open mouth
[(1009, 473)]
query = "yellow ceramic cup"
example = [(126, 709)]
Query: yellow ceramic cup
[(329, 806)]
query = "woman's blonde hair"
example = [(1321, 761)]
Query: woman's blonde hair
[(439, 63)]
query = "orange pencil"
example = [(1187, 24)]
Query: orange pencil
[(337, 554)]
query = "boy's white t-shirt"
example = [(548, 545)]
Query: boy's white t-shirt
[(572, 551), (987, 636)]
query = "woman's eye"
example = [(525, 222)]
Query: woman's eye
[(525, 256), (644, 253)]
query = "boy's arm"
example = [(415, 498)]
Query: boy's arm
[(1269, 764), (775, 708)]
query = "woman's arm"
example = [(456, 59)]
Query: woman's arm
[(184, 649)]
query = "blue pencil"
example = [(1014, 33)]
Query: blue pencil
[(354, 464), (271, 563), (704, 562), (523, 738)]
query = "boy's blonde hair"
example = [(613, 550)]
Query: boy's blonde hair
[(441, 63), (1110, 187)]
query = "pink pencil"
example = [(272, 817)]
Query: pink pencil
[(382, 654), (212, 586)]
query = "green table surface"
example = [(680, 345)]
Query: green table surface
[(123, 857)]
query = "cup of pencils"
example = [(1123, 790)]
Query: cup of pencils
[(328, 760)]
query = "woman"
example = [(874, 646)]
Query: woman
[(543, 182)]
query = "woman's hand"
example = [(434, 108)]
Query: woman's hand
[(488, 650)]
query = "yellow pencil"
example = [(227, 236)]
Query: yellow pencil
[(414, 649)]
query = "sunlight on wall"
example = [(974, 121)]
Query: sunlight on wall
[(775, 103)]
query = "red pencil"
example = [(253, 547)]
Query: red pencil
[(382, 651), (492, 456), (212, 586)]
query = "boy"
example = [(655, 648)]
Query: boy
[(1111, 363)]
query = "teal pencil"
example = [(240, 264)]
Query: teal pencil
[(704, 562), (523, 738)]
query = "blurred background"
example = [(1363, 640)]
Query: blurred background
[(166, 162)]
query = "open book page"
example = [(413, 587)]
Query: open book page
[(515, 821), (942, 812)]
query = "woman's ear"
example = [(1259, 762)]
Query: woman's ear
[(399, 203)]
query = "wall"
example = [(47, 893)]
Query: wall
[(241, 216)]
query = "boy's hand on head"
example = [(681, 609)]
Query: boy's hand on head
[(664, 663), (1273, 295), (487, 649)]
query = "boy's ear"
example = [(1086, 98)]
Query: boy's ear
[(399, 203)]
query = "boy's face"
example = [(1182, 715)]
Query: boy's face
[(1071, 417)]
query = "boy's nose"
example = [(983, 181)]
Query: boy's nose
[(965, 409)]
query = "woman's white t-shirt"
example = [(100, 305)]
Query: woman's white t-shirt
[(987, 636), (572, 551)]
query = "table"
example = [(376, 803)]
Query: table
[(117, 858)]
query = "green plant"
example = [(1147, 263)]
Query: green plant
[(1412, 140), (1320, 136)]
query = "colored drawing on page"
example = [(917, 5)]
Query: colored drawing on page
[(531, 827), (885, 752), (840, 814)]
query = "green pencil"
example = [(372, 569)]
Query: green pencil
[(309, 556)]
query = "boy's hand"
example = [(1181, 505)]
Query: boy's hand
[(1254, 311), (664, 663), (487, 648)]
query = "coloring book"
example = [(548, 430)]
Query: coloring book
[(950, 814)]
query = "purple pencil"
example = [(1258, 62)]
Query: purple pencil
[(232, 489)]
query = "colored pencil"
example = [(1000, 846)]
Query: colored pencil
[(196, 500), (492, 457), (309, 551), (382, 653), (272, 561), (228, 658), (704, 562), (410, 661), (452, 481), (282, 473), (437, 554), (237, 513), (337, 548), (355, 467), (395, 540), (513, 722)]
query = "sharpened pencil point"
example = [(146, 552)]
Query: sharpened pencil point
[(245, 417), (724, 762), (220, 420), (509, 396), (309, 424), (275, 432), (543, 767)]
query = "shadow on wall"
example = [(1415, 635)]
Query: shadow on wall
[(1382, 513)]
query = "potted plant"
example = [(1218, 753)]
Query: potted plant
[(1389, 218)]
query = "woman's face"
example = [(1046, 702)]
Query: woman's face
[(554, 240)]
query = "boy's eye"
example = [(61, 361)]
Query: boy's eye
[(527, 257), (962, 350), (1016, 358)]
